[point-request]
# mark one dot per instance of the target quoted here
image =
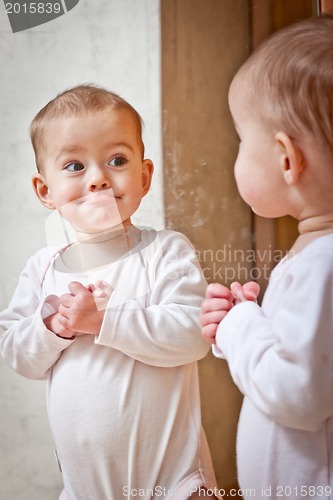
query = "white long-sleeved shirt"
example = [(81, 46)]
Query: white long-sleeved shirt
[(281, 357), (124, 406)]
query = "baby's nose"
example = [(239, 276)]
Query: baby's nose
[(98, 180)]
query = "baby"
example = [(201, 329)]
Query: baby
[(112, 320), (281, 354)]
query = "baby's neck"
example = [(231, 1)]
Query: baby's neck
[(312, 228), (89, 254)]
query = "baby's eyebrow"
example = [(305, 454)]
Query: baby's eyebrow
[(70, 149), (119, 145), (79, 149)]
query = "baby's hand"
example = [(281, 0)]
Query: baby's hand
[(53, 323), (100, 289), (248, 291), (82, 310), (219, 300)]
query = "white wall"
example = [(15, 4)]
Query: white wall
[(115, 44)]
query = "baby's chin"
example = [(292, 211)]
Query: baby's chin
[(89, 233), (100, 221)]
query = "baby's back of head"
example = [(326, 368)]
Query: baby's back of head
[(289, 80)]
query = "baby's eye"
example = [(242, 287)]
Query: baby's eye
[(117, 161), (74, 166)]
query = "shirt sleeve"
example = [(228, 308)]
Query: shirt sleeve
[(283, 364), (26, 345), (167, 331)]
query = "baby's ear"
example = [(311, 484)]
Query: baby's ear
[(42, 191), (292, 158), (147, 174)]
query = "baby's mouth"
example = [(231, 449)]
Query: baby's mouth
[(99, 197)]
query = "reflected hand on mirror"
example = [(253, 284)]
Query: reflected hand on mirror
[(218, 302), (248, 291)]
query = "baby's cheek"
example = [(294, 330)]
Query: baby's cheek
[(69, 202)]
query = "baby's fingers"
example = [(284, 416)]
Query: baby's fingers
[(216, 290), (251, 290), (101, 289), (248, 291), (212, 317), (216, 304), (209, 333)]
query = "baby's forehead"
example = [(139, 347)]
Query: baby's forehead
[(79, 121), (240, 91), (89, 129), (242, 81), (88, 114)]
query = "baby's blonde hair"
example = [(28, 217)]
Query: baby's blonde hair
[(289, 80), (75, 101)]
